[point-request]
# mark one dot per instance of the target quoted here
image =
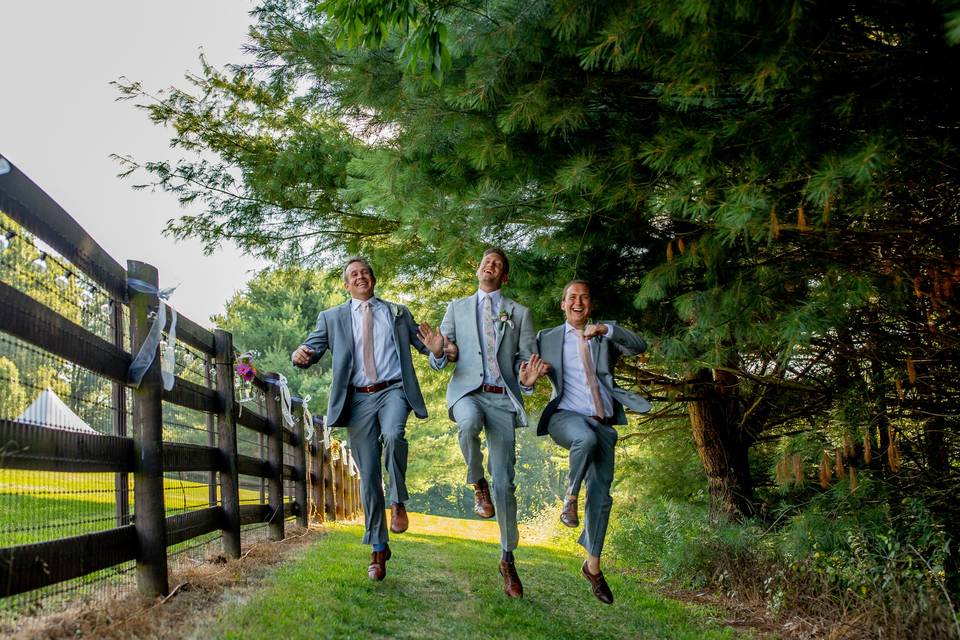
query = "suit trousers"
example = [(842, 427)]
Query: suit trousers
[(591, 447), (494, 413), (377, 427)]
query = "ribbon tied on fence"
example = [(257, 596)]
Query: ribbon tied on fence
[(285, 400), (148, 349), (307, 419)]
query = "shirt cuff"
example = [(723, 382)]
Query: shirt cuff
[(609, 329), (527, 391), (439, 362)]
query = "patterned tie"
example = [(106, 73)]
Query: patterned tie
[(590, 374), (490, 340), (369, 363)]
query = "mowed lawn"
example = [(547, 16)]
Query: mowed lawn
[(45, 505), (442, 582)]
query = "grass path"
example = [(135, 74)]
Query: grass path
[(443, 583)]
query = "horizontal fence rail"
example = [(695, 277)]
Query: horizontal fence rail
[(325, 486)]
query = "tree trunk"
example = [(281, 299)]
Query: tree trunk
[(722, 448)]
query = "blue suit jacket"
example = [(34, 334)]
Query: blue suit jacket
[(334, 331), (605, 351)]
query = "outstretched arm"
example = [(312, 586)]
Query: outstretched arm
[(448, 332), (314, 346)]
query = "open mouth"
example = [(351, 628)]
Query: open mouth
[(577, 309)]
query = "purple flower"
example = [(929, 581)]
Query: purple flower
[(246, 371)]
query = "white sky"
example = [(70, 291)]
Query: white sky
[(59, 122)]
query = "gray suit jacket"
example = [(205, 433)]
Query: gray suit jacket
[(334, 331), (514, 344), (605, 351)]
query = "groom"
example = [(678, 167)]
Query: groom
[(492, 336), (373, 390)]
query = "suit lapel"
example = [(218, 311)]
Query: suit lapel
[(394, 324), (506, 306), (555, 354), (346, 324), (595, 354)]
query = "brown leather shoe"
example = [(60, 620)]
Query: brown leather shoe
[(598, 585), (482, 505), (378, 564), (569, 514), (398, 518), (511, 581)]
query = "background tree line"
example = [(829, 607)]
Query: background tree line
[(768, 191)]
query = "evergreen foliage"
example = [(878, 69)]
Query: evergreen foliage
[(768, 191)]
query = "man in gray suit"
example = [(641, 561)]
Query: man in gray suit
[(491, 336), (373, 390), (586, 405)]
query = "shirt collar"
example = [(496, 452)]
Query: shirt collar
[(568, 328), (355, 304), (494, 296)]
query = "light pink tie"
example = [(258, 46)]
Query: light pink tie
[(369, 363), (590, 374), (490, 340)]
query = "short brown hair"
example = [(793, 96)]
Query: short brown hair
[(360, 259), (503, 256), (573, 282)]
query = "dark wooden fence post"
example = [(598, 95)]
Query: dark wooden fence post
[(227, 432), (208, 379), (274, 457), (301, 479), (341, 489), (329, 498), (119, 410), (316, 475), (149, 516)]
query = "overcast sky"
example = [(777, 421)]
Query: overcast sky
[(59, 121)]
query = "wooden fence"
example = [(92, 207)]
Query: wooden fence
[(323, 487)]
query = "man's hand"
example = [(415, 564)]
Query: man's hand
[(532, 370), (450, 349), (302, 356), (593, 330), (433, 340)]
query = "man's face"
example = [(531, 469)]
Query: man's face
[(577, 305), (490, 272), (359, 281)]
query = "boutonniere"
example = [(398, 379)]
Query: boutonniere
[(505, 318), (394, 309)]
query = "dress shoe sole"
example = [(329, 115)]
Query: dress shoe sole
[(480, 515), (397, 530), (573, 525)]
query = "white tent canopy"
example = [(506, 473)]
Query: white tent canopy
[(48, 410)]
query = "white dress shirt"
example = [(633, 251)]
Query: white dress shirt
[(576, 393), (384, 345), (496, 298)]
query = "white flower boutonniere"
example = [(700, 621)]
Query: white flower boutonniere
[(395, 310), (505, 318)]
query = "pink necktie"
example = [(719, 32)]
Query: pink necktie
[(590, 374), (490, 340), (369, 363)]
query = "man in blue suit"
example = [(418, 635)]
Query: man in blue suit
[(579, 359), (491, 335), (373, 390)]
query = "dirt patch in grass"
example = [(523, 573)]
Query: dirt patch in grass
[(197, 587)]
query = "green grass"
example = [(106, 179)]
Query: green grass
[(44, 505), (443, 583)]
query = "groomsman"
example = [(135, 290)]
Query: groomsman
[(491, 336), (373, 390), (586, 406)]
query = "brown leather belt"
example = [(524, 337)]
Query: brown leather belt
[(380, 386), (490, 388), (607, 421)]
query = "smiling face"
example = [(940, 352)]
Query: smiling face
[(492, 272), (577, 304), (358, 280)]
